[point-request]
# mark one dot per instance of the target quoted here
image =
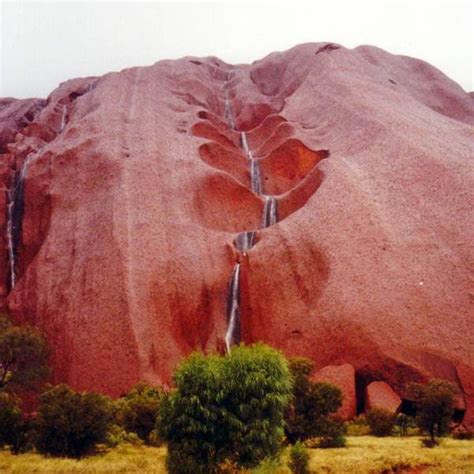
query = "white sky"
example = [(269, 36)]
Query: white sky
[(45, 43)]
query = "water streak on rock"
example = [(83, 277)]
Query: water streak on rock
[(255, 175), (228, 114), (232, 336), (270, 211), (245, 241), (10, 240), (14, 217), (63, 118)]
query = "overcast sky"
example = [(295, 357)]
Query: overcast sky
[(45, 43)]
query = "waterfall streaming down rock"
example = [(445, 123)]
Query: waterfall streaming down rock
[(245, 241), (16, 197), (14, 217), (255, 175), (10, 239), (245, 145), (228, 114), (63, 118), (233, 310), (270, 211)]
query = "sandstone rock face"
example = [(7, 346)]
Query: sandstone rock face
[(343, 376), (15, 115), (132, 188), (381, 395)]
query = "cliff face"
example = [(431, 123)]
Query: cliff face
[(353, 167)]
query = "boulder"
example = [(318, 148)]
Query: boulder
[(381, 395), (343, 376)]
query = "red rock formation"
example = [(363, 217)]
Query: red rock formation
[(343, 376), (137, 187), (381, 395), (14, 116)]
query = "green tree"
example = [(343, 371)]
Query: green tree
[(313, 404), (225, 409), (434, 406), (23, 356), (71, 424), (381, 422), (137, 411)]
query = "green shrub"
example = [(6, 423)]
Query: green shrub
[(269, 465), (137, 411), (23, 356), (14, 428), (117, 435), (358, 426), (333, 433), (311, 406), (225, 410), (381, 422), (299, 459), (10, 418), (435, 406), (71, 424)]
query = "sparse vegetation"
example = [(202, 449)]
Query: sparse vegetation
[(363, 454), (226, 415), (381, 422)]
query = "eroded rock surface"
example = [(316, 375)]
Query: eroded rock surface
[(137, 185)]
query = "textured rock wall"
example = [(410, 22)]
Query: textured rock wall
[(138, 185)]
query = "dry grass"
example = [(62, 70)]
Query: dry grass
[(123, 459), (364, 454), (367, 454)]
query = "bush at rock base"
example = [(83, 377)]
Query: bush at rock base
[(71, 424), (15, 428), (381, 422), (136, 412), (435, 406), (225, 410), (310, 413), (24, 356)]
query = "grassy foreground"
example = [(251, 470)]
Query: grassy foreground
[(364, 454)]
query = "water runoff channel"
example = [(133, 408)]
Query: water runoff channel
[(245, 240)]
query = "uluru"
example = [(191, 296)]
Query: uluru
[(319, 200)]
